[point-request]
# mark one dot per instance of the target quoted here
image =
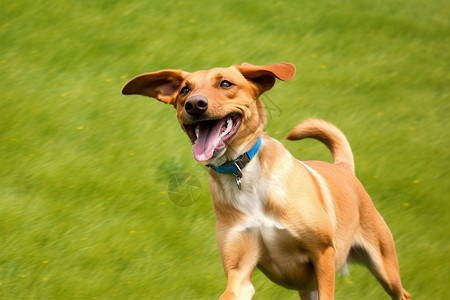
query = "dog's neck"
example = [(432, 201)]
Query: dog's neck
[(236, 166)]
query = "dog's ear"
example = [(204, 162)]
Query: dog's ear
[(162, 85), (264, 76)]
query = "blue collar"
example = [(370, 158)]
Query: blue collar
[(235, 166)]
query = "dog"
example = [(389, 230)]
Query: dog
[(297, 221)]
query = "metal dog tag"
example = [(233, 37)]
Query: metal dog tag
[(238, 180), (238, 174)]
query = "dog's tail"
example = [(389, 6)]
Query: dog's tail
[(328, 134)]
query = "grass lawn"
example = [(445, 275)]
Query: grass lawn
[(90, 207)]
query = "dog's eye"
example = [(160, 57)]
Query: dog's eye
[(184, 90), (225, 84)]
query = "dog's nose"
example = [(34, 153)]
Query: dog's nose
[(196, 105)]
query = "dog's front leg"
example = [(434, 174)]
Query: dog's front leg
[(324, 270), (240, 254)]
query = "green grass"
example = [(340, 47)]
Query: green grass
[(84, 171)]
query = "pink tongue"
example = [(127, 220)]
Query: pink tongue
[(208, 139)]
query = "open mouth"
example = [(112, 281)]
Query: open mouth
[(211, 136)]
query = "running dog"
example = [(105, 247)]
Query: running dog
[(298, 221)]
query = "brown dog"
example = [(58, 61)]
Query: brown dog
[(299, 222)]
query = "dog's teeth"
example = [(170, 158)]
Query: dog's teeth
[(228, 129), (229, 124), (197, 129)]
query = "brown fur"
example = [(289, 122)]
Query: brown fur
[(298, 222)]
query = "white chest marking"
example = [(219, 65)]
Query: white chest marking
[(251, 200)]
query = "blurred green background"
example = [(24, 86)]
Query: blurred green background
[(92, 183)]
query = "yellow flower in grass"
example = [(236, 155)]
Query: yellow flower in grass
[(80, 127), (416, 181)]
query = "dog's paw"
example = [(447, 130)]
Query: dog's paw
[(405, 295), (246, 292), (229, 295)]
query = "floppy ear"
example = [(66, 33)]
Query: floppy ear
[(162, 85), (264, 76)]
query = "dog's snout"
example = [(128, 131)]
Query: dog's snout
[(196, 105)]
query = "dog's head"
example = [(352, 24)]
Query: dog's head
[(219, 109)]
